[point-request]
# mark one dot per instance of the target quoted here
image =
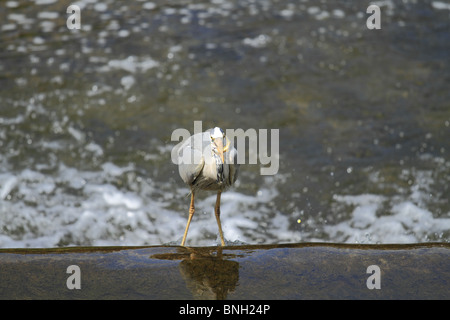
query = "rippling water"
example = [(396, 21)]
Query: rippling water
[(86, 118)]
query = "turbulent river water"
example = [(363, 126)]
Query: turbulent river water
[(87, 115)]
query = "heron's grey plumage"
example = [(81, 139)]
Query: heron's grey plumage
[(207, 161), (198, 164)]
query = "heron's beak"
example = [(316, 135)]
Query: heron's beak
[(220, 148), (227, 145)]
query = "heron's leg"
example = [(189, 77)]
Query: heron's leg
[(191, 214), (217, 212)]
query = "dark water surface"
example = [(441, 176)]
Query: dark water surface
[(296, 271), (86, 118)]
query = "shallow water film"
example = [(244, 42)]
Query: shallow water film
[(86, 118), (268, 272)]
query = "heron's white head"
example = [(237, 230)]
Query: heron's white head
[(217, 142), (217, 133)]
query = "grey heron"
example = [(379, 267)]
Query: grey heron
[(207, 161)]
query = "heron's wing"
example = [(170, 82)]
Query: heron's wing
[(190, 163), (233, 165)]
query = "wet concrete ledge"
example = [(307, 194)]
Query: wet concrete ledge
[(290, 271)]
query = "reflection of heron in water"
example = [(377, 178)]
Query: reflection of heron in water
[(208, 275), (206, 161)]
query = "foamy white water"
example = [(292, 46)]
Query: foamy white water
[(406, 223), (77, 207), (86, 208)]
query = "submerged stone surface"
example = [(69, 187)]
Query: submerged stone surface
[(293, 271)]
